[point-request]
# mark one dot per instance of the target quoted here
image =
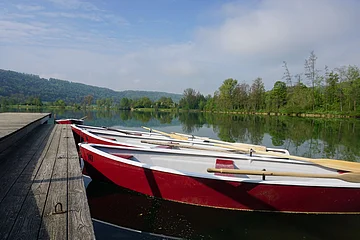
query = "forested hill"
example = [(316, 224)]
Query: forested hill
[(22, 85)]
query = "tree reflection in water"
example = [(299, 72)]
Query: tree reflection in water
[(310, 137)]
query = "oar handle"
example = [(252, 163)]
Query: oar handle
[(183, 146), (349, 177), (209, 140), (328, 163), (166, 134), (157, 131), (121, 131), (267, 173), (149, 129)]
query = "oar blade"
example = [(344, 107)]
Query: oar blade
[(174, 136), (350, 177), (328, 163), (338, 164)]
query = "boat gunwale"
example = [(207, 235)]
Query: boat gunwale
[(331, 183)]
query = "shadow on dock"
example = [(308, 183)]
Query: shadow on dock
[(42, 195)]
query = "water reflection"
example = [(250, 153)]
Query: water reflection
[(309, 137), (125, 208)]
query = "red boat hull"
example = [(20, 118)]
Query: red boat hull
[(226, 194), (69, 121), (90, 139)]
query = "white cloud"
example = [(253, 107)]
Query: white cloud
[(248, 42), (29, 8), (75, 4), (87, 16), (279, 26)]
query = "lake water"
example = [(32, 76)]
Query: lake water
[(116, 210)]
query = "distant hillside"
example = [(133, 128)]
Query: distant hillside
[(49, 90)]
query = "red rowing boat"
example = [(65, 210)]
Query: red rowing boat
[(69, 121), (261, 184), (79, 121), (128, 138)]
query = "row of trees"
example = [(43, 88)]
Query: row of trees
[(20, 99), (314, 90), (145, 102), (88, 102)]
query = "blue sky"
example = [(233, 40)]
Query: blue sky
[(171, 45)]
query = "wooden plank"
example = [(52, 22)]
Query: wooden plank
[(21, 148), (16, 163), (43, 176), (25, 123), (28, 221), (16, 195), (54, 225), (80, 225), (8, 213)]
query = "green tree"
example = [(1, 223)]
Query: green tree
[(241, 96), (331, 91), (108, 103), (314, 79), (297, 101), (37, 101), (189, 99), (278, 94), (165, 102), (349, 87), (257, 94), (125, 104), (61, 103), (210, 104), (226, 94), (88, 99)]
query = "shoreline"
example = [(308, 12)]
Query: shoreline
[(309, 115)]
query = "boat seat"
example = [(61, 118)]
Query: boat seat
[(113, 139), (135, 134), (165, 147), (126, 156), (224, 163)]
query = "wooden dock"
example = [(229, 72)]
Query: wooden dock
[(42, 194), (14, 126)]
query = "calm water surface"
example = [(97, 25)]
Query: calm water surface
[(309, 137)]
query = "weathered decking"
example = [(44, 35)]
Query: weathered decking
[(14, 126), (38, 173)]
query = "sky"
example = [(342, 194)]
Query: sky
[(171, 45)]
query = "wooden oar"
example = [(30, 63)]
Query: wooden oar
[(83, 118), (349, 177), (209, 140), (329, 163), (166, 134), (183, 146), (121, 131)]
